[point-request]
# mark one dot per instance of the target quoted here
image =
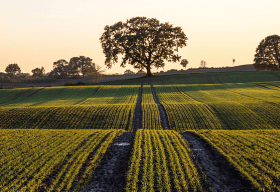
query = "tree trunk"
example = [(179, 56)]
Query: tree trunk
[(149, 74)]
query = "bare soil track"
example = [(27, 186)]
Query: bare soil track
[(32, 94), (137, 117), (162, 112), (209, 79), (217, 77), (109, 176), (221, 175)]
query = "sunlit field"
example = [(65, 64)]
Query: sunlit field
[(54, 138)]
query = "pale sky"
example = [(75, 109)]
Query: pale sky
[(36, 33)]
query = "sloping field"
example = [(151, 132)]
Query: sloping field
[(55, 138), (254, 153), (50, 160), (103, 107), (224, 106)]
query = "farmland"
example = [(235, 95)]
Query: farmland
[(254, 153), (58, 138), (159, 156), (33, 160)]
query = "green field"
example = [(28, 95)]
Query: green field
[(50, 160), (53, 138), (158, 156), (254, 153)]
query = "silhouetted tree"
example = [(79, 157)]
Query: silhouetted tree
[(38, 72), (60, 69), (233, 61), (203, 64), (268, 54), (80, 65), (94, 72), (144, 43), (13, 69), (184, 63)]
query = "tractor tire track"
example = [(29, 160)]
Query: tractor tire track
[(137, 116), (162, 112), (17, 96), (110, 176), (217, 77), (209, 79), (221, 175), (32, 94)]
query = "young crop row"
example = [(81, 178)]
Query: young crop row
[(150, 111), (235, 111), (50, 160), (254, 153), (8, 94), (161, 162), (74, 117), (185, 113), (113, 95), (68, 96), (184, 117)]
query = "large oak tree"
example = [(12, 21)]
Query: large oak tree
[(143, 42), (267, 55)]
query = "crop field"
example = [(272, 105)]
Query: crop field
[(151, 118), (225, 106), (103, 107), (61, 138), (161, 162), (50, 160), (256, 154)]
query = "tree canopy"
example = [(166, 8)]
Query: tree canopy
[(38, 72), (143, 42), (267, 55), (76, 67), (203, 64), (13, 69), (184, 63)]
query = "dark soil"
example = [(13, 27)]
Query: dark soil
[(221, 175), (137, 117), (274, 85), (109, 176), (217, 77), (162, 112), (209, 79), (262, 86)]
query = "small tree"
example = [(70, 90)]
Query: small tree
[(267, 55), (203, 64), (233, 61), (13, 69), (143, 42), (37, 72), (128, 72), (184, 63)]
